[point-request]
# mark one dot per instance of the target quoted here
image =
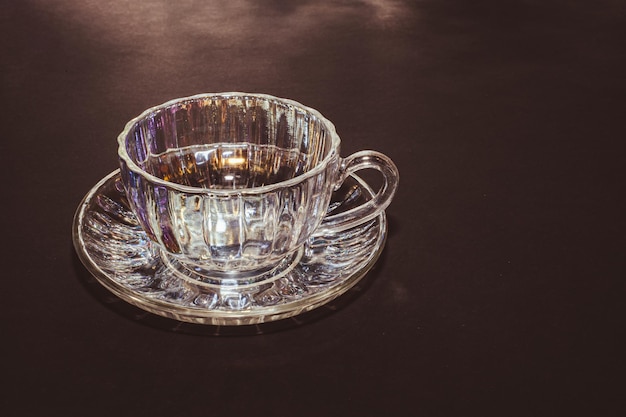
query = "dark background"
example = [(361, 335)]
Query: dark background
[(501, 285)]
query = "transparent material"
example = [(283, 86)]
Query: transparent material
[(232, 185), (232, 209), (117, 251)]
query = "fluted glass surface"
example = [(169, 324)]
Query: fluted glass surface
[(234, 181), (113, 246)]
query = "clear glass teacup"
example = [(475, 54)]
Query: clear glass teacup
[(235, 183)]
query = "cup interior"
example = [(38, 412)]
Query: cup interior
[(229, 142)]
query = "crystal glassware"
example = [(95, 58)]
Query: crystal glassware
[(232, 185)]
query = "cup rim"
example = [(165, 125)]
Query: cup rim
[(321, 166)]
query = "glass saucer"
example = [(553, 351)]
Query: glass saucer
[(116, 251)]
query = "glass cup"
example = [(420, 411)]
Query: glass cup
[(235, 183)]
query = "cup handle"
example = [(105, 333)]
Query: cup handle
[(369, 210)]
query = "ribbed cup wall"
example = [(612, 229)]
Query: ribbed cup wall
[(236, 153), (271, 132)]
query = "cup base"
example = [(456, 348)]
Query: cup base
[(205, 275)]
